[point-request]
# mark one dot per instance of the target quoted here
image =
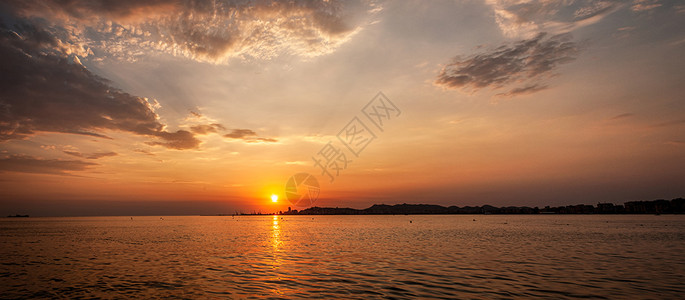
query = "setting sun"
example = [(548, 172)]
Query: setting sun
[(274, 198)]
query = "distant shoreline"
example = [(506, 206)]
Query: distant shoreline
[(656, 207)]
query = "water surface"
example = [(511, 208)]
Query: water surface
[(361, 257)]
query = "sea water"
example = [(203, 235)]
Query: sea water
[(360, 257)]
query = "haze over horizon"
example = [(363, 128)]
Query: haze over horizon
[(193, 107)]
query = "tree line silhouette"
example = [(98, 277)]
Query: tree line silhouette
[(660, 206)]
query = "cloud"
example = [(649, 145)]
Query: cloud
[(623, 116), (523, 90), (525, 18), (51, 91), (29, 164), (203, 30), (248, 136), (90, 156), (679, 9), (47, 92), (179, 140), (520, 62), (240, 133), (670, 123), (207, 128), (644, 5), (143, 151), (261, 140)]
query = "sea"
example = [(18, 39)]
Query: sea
[(344, 257)]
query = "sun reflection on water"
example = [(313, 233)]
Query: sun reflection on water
[(276, 255), (276, 234)]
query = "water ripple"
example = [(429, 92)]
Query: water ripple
[(351, 257)]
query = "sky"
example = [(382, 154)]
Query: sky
[(206, 107)]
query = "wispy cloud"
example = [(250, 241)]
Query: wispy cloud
[(645, 5), (522, 62), (676, 143), (179, 140), (143, 151), (623, 116), (30, 164), (670, 123), (203, 30), (90, 156), (207, 128), (523, 90), (240, 133), (248, 136), (525, 18), (260, 140)]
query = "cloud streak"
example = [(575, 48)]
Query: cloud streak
[(30, 164), (240, 134), (527, 61), (249, 136), (207, 128), (90, 156), (525, 18), (530, 89)]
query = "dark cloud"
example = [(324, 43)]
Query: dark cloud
[(48, 92), (203, 30), (207, 129), (29, 164), (523, 90), (623, 116), (524, 61), (240, 133), (90, 156)]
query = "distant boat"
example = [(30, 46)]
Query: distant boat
[(18, 216)]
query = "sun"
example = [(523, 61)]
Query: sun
[(274, 198)]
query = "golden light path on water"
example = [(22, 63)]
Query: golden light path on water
[(276, 243)]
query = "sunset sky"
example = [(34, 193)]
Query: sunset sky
[(199, 107)]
